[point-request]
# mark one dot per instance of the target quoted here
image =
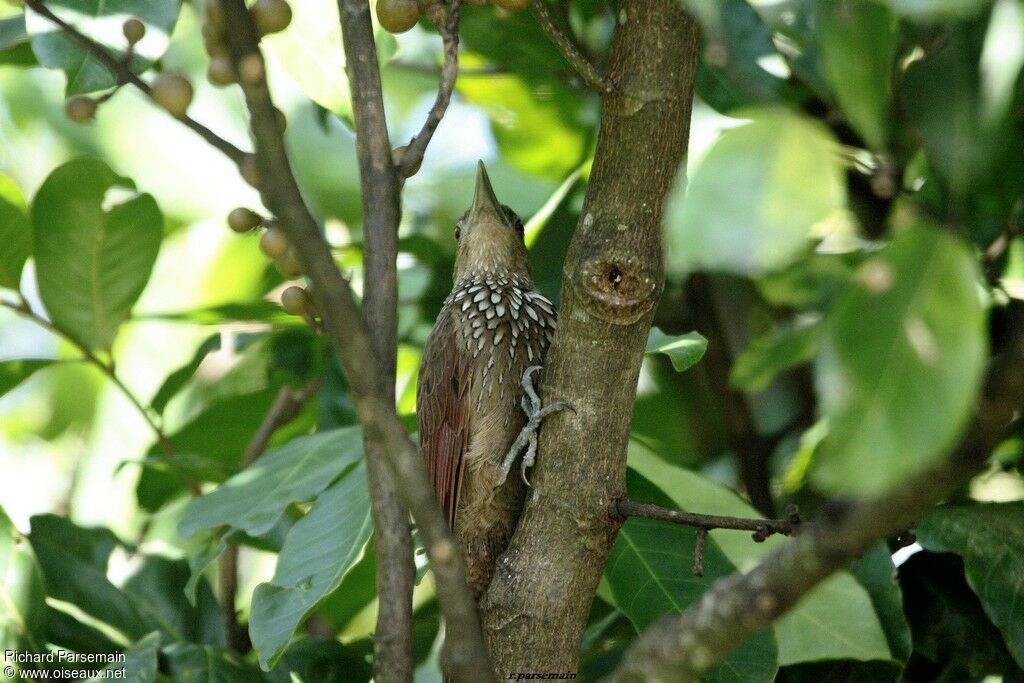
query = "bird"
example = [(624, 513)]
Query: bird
[(476, 406)]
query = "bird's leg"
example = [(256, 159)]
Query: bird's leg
[(535, 413)]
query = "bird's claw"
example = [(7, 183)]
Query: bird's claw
[(535, 413)]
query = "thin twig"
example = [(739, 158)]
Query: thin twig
[(107, 368), (284, 409), (579, 62), (762, 528), (123, 74), (448, 26)]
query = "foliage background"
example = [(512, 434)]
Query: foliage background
[(852, 167)]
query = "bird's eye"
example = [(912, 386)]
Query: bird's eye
[(458, 233)]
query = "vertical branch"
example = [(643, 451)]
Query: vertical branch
[(392, 644), (537, 605)]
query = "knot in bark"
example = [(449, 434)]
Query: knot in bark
[(619, 290)]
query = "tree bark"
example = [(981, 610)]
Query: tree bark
[(537, 605), (380, 192)]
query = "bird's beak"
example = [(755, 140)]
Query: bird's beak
[(484, 195)]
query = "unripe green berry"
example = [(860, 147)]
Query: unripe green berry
[(397, 16), (220, 72), (289, 264), (242, 220), (173, 93), (80, 108), (295, 300), (250, 69), (250, 170), (274, 244), (271, 16), (133, 30)]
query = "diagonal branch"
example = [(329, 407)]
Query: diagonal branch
[(579, 62), (124, 74), (683, 647), (447, 22)]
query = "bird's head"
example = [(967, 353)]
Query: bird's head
[(490, 235)]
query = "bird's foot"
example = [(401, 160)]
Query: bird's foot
[(535, 413)]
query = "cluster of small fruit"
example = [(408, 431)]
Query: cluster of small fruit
[(173, 91), (275, 246), (398, 16)]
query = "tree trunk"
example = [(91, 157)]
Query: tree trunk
[(537, 605)]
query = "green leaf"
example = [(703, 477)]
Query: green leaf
[(199, 563), (876, 573), (538, 135), (22, 596), (767, 356), (15, 233), (791, 178), (832, 625), (685, 350), (92, 261), (318, 552), (990, 538), (952, 634), (650, 572), (140, 662), (157, 587), (177, 379), (191, 663), (74, 563), (940, 94), (15, 45), (14, 372), (310, 50), (255, 499), (858, 43), (901, 363), (258, 311), (828, 639), (101, 20)]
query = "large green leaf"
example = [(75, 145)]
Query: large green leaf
[(900, 363), (940, 94), (832, 625), (140, 663), (685, 350), (15, 233), (311, 51), (94, 250), (157, 587), (255, 499), (858, 43), (14, 372), (790, 175), (101, 20), (22, 597), (950, 628), (774, 352), (650, 572), (318, 552), (990, 538), (828, 636), (74, 563), (191, 663), (876, 572)]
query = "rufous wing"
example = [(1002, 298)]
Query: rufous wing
[(443, 411)]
